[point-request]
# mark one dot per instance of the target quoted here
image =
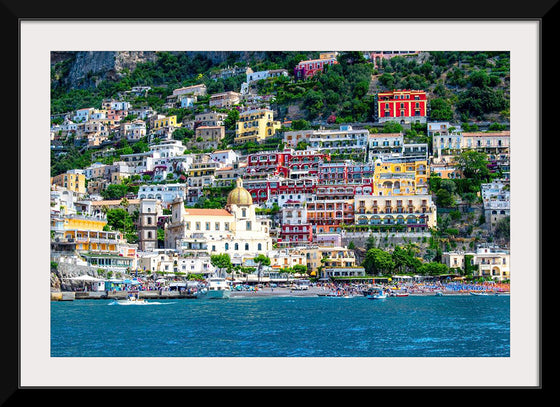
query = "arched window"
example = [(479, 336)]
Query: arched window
[(259, 246), (246, 246), (237, 246), (227, 246)]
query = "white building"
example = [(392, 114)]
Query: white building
[(82, 115), (167, 149), (139, 162), (166, 193), (118, 105), (383, 144), (170, 262), (133, 131), (346, 140), (235, 230), (496, 201), (225, 157), (487, 261)]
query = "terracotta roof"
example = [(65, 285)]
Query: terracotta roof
[(207, 212)]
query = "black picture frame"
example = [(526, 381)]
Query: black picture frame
[(13, 12)]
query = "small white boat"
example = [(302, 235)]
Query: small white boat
[(380, 295), (133, 300), (479, 293), (217, 288), (399, 294)]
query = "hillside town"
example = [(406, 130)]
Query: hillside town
[(169, 189)]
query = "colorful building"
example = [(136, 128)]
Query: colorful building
[(402, 105), (73, 181), (262, 164), (295, 229), (235, 230), (308, 69), (255, 125), (323, 257), (166, 121), (400, 176), (278, 190), (413, 213)]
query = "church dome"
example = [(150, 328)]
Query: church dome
[(239, 195)]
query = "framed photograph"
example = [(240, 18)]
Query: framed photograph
[(520, 37)]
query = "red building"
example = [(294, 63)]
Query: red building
[(271, 174), (295, 229), (402, 105), (278, 189), (305, 162), (262, 164)]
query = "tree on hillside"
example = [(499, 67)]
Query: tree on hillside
[(474, 165)]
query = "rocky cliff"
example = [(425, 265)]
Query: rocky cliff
[(81, 69), (84, 69)]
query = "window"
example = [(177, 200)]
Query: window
[(248, 225), (244, 212), (227, 246), (236, 246), (197, 225), (217, 225), (246, 246)]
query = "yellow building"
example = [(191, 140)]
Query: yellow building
[(402, 177), (86, 233), (168, 121), (255, 125), (415, 213), (328, 257), (89, 223), (71, 181)]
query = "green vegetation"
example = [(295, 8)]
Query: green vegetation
[(402, 260), (119, 219)]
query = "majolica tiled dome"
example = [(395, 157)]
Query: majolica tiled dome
[(239, 195)]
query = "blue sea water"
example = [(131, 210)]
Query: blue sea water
[(414, 326)]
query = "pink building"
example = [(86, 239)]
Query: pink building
[(307, 69)]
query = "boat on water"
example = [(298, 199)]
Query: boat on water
[(479, 293), (133, 299), (380, 295), (399, 294), (217, 287), (339, 295)]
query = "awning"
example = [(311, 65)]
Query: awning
[(85, 277)]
